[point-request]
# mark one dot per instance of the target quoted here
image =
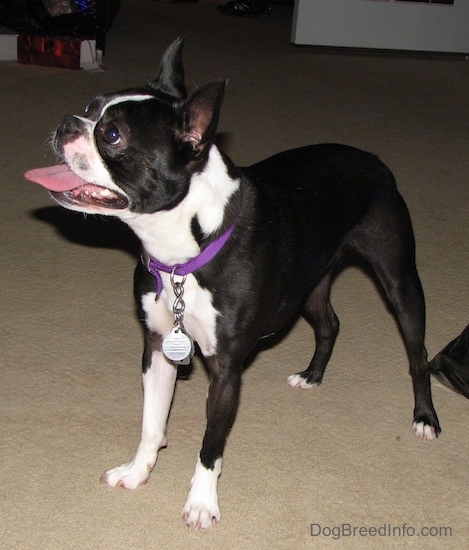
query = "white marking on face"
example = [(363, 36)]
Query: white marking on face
[(124, 99), (83, 158), (82, 155)]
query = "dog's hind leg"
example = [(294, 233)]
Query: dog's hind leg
[(406, 295), (201, 509), (386, 240), (319, 312)]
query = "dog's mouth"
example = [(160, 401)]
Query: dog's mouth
[(66, 187), (92, 195)]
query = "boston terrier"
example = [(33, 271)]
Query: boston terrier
[(231, 255)]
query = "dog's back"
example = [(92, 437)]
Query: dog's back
[(317, 204), (330, 185)]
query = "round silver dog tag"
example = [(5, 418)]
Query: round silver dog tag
[(178, 346)]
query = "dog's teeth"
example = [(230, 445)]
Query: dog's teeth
[(102, 192)]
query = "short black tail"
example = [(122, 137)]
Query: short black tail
[(451, 365)]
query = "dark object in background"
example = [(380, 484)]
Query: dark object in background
[(51, 51), (64, 18), (250, 8), (451, 365), (243, 8)]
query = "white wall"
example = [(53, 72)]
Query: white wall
[(383, 24)]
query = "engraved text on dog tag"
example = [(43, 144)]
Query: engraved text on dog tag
[(178, 346)]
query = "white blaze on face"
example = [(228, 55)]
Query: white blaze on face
[(124, 99), (83, 158), (82, 155)]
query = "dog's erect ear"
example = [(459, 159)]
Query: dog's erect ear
[(170, 79), (200, 113)]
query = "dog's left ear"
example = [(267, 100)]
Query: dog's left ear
[(198, 116), (170, 78)]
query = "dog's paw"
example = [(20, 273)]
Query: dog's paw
[(424, 432), (201, 509), (127, 476), (297, 381), (201, 515)]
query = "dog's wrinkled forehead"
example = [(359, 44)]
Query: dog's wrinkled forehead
[(98, 107)]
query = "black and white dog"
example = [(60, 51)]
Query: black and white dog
[(231, 255)]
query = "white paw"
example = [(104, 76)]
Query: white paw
[(201, 509), (423, 431), (201, 515), (297, 381), (128, 476)]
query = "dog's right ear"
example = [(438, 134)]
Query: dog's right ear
[(170, 78), (198, 116)]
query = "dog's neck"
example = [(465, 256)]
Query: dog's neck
[(167, 235)]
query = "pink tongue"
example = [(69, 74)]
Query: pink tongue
[(55, 178)]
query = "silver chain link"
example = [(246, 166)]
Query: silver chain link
[(179, 305)]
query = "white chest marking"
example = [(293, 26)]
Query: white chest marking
[(200, 316), (167, 235)]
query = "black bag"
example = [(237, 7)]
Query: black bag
[(451, 365)]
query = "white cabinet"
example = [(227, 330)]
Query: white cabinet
[(425, 25)]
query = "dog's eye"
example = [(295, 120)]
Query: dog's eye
[(111, 135), (87, 108)]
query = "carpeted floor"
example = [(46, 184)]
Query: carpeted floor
[(341, 454)]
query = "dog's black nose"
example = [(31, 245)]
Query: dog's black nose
[(69, 130)]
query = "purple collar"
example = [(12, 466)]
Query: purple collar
[(207, 254)]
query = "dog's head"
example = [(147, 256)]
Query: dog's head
[(135, 150)]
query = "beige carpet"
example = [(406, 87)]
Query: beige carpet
[(343, 453)]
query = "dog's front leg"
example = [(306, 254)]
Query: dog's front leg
[(158, 388), (201, 509)]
